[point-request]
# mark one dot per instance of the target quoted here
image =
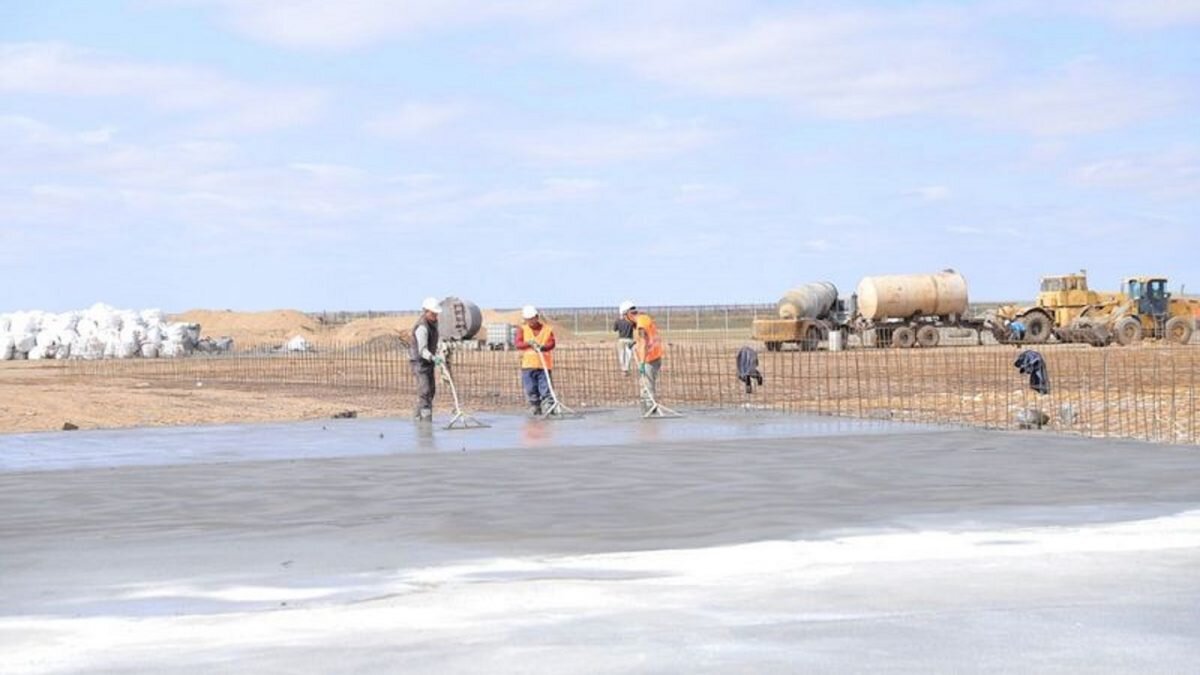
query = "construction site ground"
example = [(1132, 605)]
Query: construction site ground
[(727, 540)]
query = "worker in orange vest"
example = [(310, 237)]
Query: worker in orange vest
[(648, 347), (536, 337)]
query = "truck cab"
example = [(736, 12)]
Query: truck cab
[(1150, 294), (1065, 296)]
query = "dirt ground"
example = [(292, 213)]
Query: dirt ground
[(43, 396)]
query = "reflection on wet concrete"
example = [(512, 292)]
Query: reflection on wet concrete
[(357, 437)]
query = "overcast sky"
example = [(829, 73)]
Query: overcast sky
[(255, 154)]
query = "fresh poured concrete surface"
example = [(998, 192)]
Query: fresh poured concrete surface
[(719, 542)]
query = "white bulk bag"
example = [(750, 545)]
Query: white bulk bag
[(25, 342)]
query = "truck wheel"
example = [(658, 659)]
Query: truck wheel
[(812, 339), (904, 337), (1179, 330), (928, 336), (774, 346), (1128, 331), (1038, 327)]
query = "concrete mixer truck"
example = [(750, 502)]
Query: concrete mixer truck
[(806, 316)]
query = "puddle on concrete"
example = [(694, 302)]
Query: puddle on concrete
[(53, 451)]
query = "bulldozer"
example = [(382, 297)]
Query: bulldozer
[(1070, 311), (1144, 308)]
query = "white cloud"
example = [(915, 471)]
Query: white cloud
[(857, 64), (1169, 174), (319, 24), (877, 62), (975, 231), (705, 193), (656, 138), (1082, 97), (548, 191), (414, 119), (214, 189), (932, 193), (1142, 13), (215, 104)]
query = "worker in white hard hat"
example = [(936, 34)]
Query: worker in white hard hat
[(536, 336), (425, 357), (623, 327)]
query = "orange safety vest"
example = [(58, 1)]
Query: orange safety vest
[(650, 345), (529, 358)]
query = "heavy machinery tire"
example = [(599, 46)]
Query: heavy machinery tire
[(1179, 330), (928, 336), (812, 339), (1038, 327), (774, 346), (1128, 331), (904, 337)]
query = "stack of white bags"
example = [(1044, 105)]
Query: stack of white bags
[(101, 332)]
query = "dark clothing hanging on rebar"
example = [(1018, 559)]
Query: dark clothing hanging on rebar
[(747, 367), (1032, 364)]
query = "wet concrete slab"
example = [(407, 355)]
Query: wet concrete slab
[(725, 541), (54, 451)]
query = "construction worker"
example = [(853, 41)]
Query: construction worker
[(648, 348), (624, 330), (536, 338), (425, 357), (1016, 330)]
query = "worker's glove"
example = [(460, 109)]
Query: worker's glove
[(439, 360), (641, 369), (536, 346)]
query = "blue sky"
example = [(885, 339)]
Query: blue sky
[(363, 154)]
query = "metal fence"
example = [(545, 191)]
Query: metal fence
[(1145, 393)]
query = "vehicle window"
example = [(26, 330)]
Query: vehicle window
[(1135, 289), (1158, 288)]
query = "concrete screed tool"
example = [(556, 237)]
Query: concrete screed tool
[(557, 408), (653, 407), (460, 419)]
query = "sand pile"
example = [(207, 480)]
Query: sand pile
[(362, 331), (277, 326), (253, 328), (514, 317)]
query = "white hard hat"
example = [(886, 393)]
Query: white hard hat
[(431, 304), (528, 312), (626, 306)]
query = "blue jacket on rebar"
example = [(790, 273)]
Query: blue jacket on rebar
[(1032, 364), (747, 367)]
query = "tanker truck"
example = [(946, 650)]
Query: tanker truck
[(909, 310), (806, 315)]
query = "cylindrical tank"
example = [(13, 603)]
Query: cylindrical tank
[(460, 319), (810, 301), (905, 295)]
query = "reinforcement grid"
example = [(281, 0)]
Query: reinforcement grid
[(1146, 393)]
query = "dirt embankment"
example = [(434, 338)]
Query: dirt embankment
[(275, 327)]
